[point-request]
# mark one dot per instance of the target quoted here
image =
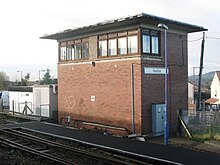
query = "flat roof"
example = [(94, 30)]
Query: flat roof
[(124, 22), (20, 88)]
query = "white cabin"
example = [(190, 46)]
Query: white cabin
[(41, 100)]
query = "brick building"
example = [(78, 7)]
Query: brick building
[(94, 70)]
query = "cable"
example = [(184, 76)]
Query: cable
[(217, 38), (194, 40)]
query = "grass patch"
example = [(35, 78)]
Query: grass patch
[(201, 137)]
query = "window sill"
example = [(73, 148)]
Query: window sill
[(151, 57), (70, 61), (118, 56)]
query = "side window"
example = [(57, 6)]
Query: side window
[(132, 44), (150, 42), (103, 48), (112, 47), (122, 45), (69, 53), (78, 52), (118, 43), (63, 53), (154, 45), (146, 43), (74, 50), (85, 50)]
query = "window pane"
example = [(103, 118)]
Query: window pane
[(146, 44), (103, 48), (132, 44), (77, 51), (154, 44), (69, 53), (112, 47), (122, 46), (85, 50), (73, 52), (63, 53)]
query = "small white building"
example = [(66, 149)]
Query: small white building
[(45, 100), (41, 100), (215, 88), (18, 96)]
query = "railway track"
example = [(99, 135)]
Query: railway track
[(55, 150)]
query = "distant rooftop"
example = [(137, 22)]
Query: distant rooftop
[(125, 21), (211, 101)]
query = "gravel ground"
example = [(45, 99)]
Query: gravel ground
[(10, 156)]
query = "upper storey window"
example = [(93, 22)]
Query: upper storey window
[(63, 53), (74, 50), (150, 42), (103, 48), (117, 44), (132, 44), (85, 50), (112, 47), (122, 45)]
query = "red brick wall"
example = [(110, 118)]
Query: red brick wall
[(110, 83), (153, 87)]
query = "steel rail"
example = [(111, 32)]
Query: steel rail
[(34, 152), (75, 150)]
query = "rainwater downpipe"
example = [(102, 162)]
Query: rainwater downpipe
[(132, 99)]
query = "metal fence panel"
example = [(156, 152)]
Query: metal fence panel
[(202, 123)]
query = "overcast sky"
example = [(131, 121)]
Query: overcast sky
[(24, 21)]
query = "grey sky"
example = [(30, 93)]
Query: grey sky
[(24, 21)]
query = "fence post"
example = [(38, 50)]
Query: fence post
[(40, 110), (13, 107), (1, 105), (25, 108)]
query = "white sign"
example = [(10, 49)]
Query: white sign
[(93, 98), (154, 70)]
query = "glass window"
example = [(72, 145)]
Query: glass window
[(146, 44), (154, 45), (85, 50), (112, 47), (69, 53), (122, 45), (73, 52), (78, 53), (103, 48), (132, 44), (74, 49), (63, 53), (150, 42)]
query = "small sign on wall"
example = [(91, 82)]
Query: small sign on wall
[(154, 70), (93, 98)]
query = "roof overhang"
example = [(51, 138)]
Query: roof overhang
[(124, 22)]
